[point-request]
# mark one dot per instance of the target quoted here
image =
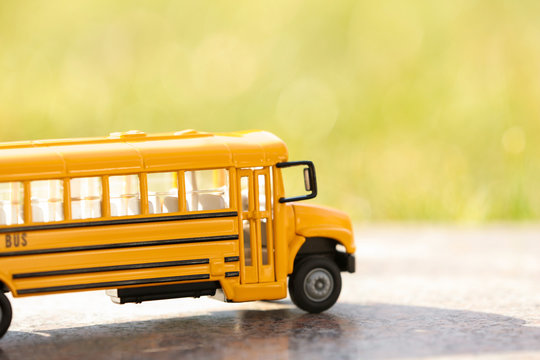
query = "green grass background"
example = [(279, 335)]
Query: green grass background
[(412, 110)]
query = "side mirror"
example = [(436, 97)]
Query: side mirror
[(310, 180)]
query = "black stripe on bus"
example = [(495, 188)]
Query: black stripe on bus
[(232, 258), (111, 268), (113, 284), (141, 220), (232, 274), (119, 245)]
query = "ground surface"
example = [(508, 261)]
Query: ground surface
[(419, 292)]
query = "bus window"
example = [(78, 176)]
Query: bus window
[(207, 189), (247, 242), (47, 200), (11, 203), (262, 192), (244, 191), (162, 192), (125, 195), (86, 197)]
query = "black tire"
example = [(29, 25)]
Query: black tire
[(5, 314), (315, 284)]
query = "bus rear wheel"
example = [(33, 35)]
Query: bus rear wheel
[(315, 284), (5, 314)]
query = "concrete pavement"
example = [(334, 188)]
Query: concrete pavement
[(420, 292)]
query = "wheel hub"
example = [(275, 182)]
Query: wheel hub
[(318, 284)]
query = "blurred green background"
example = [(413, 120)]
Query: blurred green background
[(418, 110)]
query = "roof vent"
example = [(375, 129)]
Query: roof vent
[(131, 134)]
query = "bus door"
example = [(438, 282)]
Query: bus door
[(256, 239)]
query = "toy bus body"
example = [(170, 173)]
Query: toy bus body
[(149, 217)]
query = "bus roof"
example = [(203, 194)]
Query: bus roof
[(135, 151)]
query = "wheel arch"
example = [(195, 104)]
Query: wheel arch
[(320, 246), (6, 286)]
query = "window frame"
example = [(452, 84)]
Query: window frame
[(22, 205), (142, 193), (67, 195), (181, 194), (231, 189), (62, 194)]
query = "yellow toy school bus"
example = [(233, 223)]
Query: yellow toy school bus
[(149, 217)]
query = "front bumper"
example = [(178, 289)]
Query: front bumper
[(346, 262)]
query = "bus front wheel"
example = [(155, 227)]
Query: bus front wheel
[(5, 314), (315, 284)]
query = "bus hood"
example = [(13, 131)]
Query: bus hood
[(321, 221)]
